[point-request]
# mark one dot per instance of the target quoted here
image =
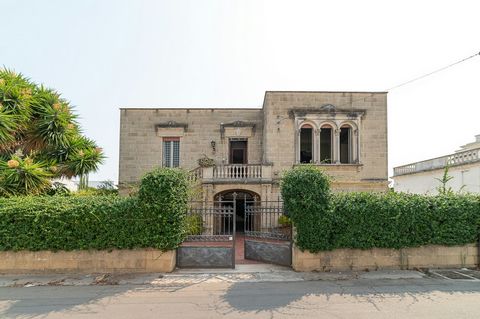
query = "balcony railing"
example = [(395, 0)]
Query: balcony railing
[(233, 172), (237, 171), (455, 159)]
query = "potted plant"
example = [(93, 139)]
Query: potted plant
[(285, 225), (206, 161)]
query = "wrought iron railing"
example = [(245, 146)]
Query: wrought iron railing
[(211, 221), (459, 158), (267, 219)]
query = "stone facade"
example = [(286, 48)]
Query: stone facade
[(273, 141)]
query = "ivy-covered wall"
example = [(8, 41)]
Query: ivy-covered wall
[(155, 218), (326, 221)]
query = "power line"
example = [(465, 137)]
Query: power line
[(433, 72), (414, 79)]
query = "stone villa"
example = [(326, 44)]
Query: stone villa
[(344, 133)]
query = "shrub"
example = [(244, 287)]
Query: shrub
[(366, 220), (194, 224), (397, 220), (156, 219), (284, 220), (306, 195), (58, 189), (164, 195)]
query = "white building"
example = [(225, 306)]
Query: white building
[(422, 177)]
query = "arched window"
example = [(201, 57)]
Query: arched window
[(306, 144), (346, 145), (326, 145)]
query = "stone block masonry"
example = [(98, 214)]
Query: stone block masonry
[(272, 136), (382, 258), (87, 261)]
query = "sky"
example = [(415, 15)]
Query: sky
[(106, 54)]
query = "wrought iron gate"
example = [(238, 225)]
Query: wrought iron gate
[(268, 232), (210, 242)]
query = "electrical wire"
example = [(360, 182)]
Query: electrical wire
[(433, 72), (412, 80)]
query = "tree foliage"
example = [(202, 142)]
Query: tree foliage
[(39, 138)]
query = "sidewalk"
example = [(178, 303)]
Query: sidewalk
[(242, 273)]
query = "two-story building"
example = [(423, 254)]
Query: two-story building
[(344, 133)]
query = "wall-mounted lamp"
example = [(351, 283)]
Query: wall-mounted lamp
[(213, 144)]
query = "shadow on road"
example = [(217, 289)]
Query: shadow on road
[(38, 301), (70, 300), (274, 296), (225, 298)]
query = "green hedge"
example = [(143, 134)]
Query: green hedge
[(154, 219), (306, 195), (397, 220), (326, 221)]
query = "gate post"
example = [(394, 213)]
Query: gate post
[(234, 228)]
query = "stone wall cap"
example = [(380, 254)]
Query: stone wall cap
[(168, 108), (336, 92)]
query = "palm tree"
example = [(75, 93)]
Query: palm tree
[(40, 138)]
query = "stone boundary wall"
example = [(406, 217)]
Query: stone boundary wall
[(87, 261), (383, 258)]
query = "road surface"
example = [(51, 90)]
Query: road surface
[(206, 298)]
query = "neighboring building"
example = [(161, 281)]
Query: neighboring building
[(69, 183), (73, 185), (345, 133), (422, 177)]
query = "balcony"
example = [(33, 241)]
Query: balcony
[(455, 159), (233, 173)]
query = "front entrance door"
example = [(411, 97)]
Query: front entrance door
[(238, 152)]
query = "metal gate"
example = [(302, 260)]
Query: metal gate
[(268, 233), (210, 242)]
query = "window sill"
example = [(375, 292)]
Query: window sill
[(329, 165), (337, 167)]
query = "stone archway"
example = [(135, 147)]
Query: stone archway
[(242, 198)]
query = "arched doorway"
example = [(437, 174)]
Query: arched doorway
[(242, 199)]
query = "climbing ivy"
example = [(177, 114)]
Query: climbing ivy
[(155, 218), (325, 221)]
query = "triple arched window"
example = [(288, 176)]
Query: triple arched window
[(327, 143)]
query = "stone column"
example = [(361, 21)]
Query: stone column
[(316, 146), (297, 146), (355, 146), (336, 146)]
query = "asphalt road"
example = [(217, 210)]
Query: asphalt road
[(363, 298)]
